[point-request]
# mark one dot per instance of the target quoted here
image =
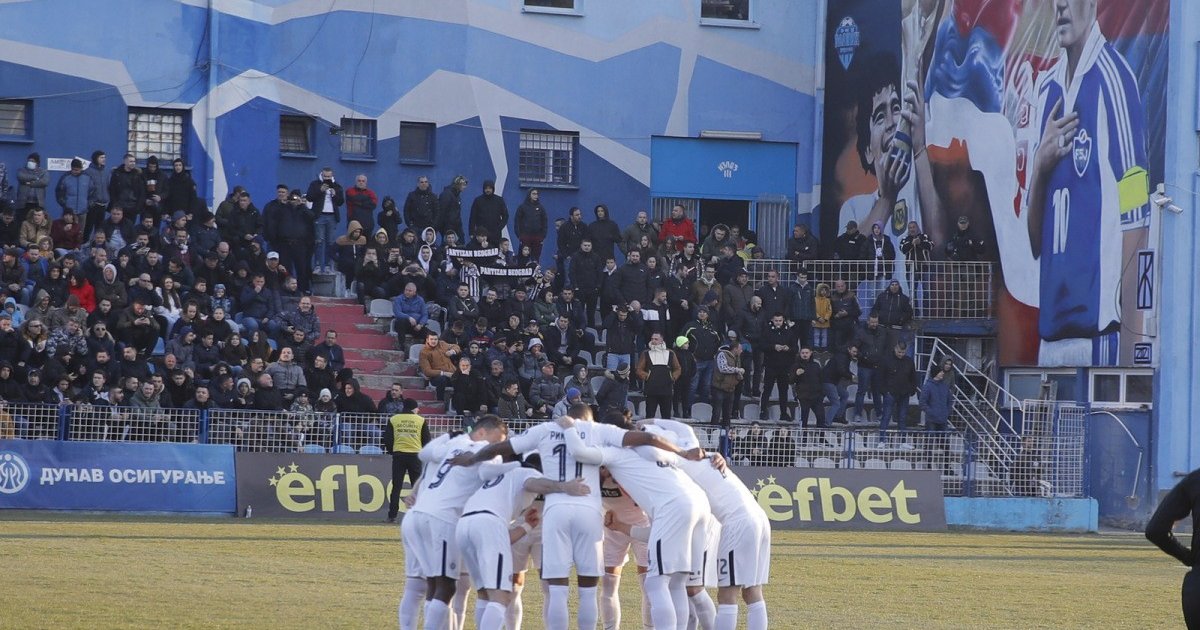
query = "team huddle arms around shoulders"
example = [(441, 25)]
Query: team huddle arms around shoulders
[(577, 493)]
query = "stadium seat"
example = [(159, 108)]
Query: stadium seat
[(702, 412), (414, 353), (823, 462), (586, 356), (800, 462), (434, 327), (772, 413), (751, 412), (875, 464), (901, 464), (370, 449), (343, 449), (381, 309), (597, 381), (600, 355), (313, 448), (708, 439)]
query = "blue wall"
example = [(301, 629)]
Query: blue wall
[(481, 70)]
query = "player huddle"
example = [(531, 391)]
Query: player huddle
[(605, 488)]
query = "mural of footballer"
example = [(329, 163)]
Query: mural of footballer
[(1088, 190)]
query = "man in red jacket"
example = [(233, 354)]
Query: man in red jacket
[(680, 227), (360, 204)]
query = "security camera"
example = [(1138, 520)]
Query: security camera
[(1165, 202), (1174, 208)]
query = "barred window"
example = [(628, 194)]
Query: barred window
[(15, 119), (358, 138), (547, 158), (156, 132), (295, 134), (416, 142)]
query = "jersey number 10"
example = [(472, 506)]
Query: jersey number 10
[(1062, 218)]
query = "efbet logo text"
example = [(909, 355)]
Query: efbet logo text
[(335, 488), (836, 504)]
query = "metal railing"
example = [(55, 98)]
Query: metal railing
[(1049, 463), (938, 290)]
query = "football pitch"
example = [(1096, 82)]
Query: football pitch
[(71, 571)]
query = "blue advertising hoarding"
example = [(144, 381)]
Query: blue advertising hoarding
[(51, 475)]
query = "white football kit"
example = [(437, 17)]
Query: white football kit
[(428, 527), (482, 530), (572, 527)]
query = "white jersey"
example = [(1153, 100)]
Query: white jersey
[(728, 496), (444, 489), (559, 465), (503, 491), (651, 476)]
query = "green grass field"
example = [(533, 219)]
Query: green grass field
[(66, 571)]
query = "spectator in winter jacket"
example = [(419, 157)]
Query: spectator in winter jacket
[(837, 377), (808, 387), (489, 212), (570, 237), (846, 311), (851, 244), (76, 190), (421, 206), (449, 216), (629, 284), (360, 204), (802, 307), (899, 384), (937, 397), (631, 238), (127, 187), (66, 232), (604, 232), (803, 246), (778, 343), (892, 307), (436, 363), (622, 328), (532, 222), (409, 314), (614, 391), (32, 180), (389, 217), (302, 318), (881, 252), (703, 339), (512, 404), (545, 391), (678, 226), (872, 342), (288, 376), (180, 191)]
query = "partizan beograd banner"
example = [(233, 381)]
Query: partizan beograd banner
[(829, 498)]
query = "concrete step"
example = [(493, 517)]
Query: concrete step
[(420, 394), (318, 299), (366, 341)]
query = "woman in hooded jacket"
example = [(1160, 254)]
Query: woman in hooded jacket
[(389, 218), (370, 276), (532, 222), (112, 288)]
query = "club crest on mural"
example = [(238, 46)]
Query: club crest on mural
[(846, 40), (1081, 150)]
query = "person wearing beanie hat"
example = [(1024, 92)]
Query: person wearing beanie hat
[(571, 397), (851, 244), (682, 399), (33, 181), (614, 392), (404, 435), (704, 339)]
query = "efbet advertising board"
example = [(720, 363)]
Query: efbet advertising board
[(51, 475), (357, 487), (317, 486), (835, 498)]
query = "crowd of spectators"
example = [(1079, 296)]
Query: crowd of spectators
[(136, 293)]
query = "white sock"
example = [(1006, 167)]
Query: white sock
[(756, 615), (662, 610), (493, 616), (727, 617), (557, 617), (437, 615), (411, 602), (545, 600), (610, 606), (647, 622), (706, 611), (458, 605), (680, 599), (587, 613), (693, 622), (516, 609)]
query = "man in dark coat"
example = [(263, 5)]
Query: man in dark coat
[(421, 206), (489, 212), (900, 382), (449, 215)]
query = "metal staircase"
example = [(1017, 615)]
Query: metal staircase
[(987, 414)]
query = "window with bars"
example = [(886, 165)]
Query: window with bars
[(358, 138), (416, 142), (156, 132), (295, 135), (551, 4), (15, 119), (547, 158)]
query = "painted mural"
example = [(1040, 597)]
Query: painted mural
[(1036, 126)]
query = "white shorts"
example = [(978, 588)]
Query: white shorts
[(431, 540), (486, 553), (571, 535), (705, 573), (412, 568), (677, 538), (744, 553), (616, 548)]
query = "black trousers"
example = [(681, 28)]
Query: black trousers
[(402, 464), (770, 381), (811, 405), (1191, 600), (659, 404)]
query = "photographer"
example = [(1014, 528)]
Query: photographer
[(326, 197)]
